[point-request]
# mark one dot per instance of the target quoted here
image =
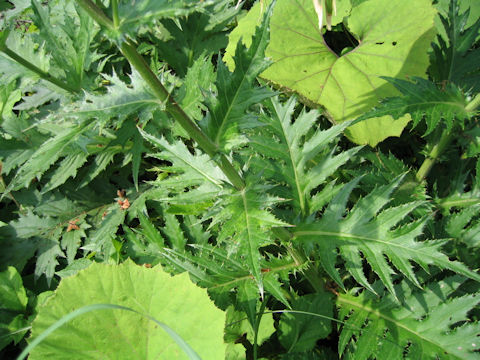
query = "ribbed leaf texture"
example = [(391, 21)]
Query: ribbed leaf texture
[(245, 225), (430, 324), (454, 60), (241, 219), (67, 33), (237, 91), (369, 233), (422, 99), (46, 155), (195, 180), (298, 154), (213, 268), (75, 141), (120, 101)]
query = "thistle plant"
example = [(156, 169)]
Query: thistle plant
[(313, 194)]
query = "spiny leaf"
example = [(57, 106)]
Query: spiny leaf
[(25, 46), (48, 253), (199, 167), (370, 231), (236, 91), (245, 225), (8, 97), (213, 268), (152, 235), (120, 101), (297, 154), (465, 226), (67, 39), (72, 240), (188, 40), (67, 168), (102, 160), (423, 99), (45, 156), (174, 232), (428, 324), (106, 230), (454, 60), (198, 81)]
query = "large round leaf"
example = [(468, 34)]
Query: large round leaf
[(119, 334), (393, 37)]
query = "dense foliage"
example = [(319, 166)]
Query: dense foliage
[(311, 166)]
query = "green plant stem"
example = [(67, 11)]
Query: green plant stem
[(437, 150), (137, 62), (442, 143), (460, 203), (44, 75), (257, 326), (179, 115), (116, 21), (474, 104), (96, 13)]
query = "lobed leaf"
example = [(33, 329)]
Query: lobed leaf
[(297, 154), (454, 59), (428, 324), (237, 91), (422, 99), (374, 233)]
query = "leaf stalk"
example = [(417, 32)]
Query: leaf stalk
[(437, 150), (44, 75)]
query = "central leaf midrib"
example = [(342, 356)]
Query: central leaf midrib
[(342, 298), (294, 168), (341, 235), (252, 251), (237, 93)]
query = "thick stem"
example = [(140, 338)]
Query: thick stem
[(116, 20), (442, 143), (437, 150), (459, 203), (172, 107), (44, 75), (474, 104), (179, 115), (96, 13)]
